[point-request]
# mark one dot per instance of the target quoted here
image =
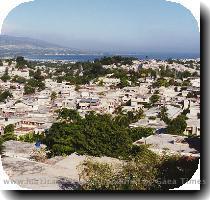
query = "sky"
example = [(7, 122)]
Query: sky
[(125, 26)]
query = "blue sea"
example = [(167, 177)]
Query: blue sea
[(143, 56)]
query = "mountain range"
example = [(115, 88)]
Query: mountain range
[(11, 46)]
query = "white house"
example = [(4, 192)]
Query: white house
[(22, 73)]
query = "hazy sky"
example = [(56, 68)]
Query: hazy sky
[(107, 25)]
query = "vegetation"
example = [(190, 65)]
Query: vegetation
[(9, 128), (72, 73), (18, 79), (146, 171), (95, 135), (161, 82), (136, 174), (8, 135), (39, 155), (4, 95), (1, 144), (6, 76), (106, 135), (1, 63), (193, 94), (29, 90), (154, 99), (21, 62), (163, 115), (37, 82), (31, 137), (53, 96), (117, 60), (81, 73), (177, 126)]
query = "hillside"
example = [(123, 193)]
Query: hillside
[(16, 46)]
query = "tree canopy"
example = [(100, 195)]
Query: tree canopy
[(96, 135), (177, 126), (6, 76), (4, 95)]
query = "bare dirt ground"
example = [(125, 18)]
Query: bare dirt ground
[(59, 173)]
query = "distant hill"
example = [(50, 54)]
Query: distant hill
[(20, 46)]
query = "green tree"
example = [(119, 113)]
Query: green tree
[(21, 62), (186, 74), (163, 115), (171, 82), (31, 137), (6, 76), (123, 83), (177, 126), (9, 136), (9, 129), (31, 73), (140, 132), (38, 75), (154, 99), (69, 115), (95, 135), (186, 83), (29, 90), (9, 133), (53, 96), (122, 120), (18, 79), (161, 82), (9, 61), (5, 95)]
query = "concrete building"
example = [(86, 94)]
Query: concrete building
[(170, 144)]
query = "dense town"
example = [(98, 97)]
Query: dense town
[(160, 96)]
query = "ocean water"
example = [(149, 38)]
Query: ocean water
[(143, 56)]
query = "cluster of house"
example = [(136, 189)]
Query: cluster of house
[(13, 71), (36, 113)]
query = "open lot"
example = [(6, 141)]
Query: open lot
[(59, 173)]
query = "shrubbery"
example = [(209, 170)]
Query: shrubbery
[(146, 171), (31, 137)]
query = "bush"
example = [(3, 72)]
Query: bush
[(146, 172), (8, 137), (9, 129), (39, 155), (136, 174), (31, 137)]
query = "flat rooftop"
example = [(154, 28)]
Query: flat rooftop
[(171, 144)]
